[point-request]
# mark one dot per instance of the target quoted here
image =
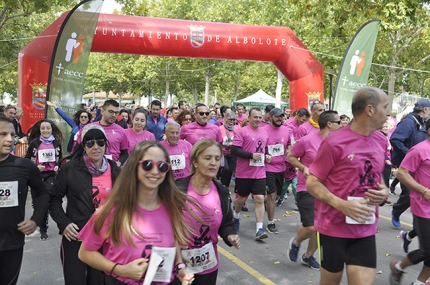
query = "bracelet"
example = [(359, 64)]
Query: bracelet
[(113, 267), (178, 267), (425, 190)]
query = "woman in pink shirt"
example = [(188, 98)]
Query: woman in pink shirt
[(142, 216), (137, 132), (417, 163), (201, 253)]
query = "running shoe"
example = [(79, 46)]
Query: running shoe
[(396, 275), (405, 241), (244, 208), (271, 228), (43, 236), (311, 262), (395, 221), (293, 252), (236, 224), (279, 202), (261, 234)]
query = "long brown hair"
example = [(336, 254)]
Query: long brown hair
[(124, 197)]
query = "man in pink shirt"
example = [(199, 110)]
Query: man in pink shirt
[(249, 145), (241, 113), (301, 155), (117, 147), (277, 143), (312, 124), (179, 151), (200, 129), (346, 181)]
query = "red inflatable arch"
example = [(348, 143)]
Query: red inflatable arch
[(180, 38)]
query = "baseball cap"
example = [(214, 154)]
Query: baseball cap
[(422, 103), (276, 112)]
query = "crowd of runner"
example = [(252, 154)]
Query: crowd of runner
[(148, 189)]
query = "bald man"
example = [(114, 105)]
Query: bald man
[(346, 181)]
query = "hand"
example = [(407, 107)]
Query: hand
[(41, 168), (118, 164), (306, 172), (268, 158), (51, 104), (100, 104), (377, 197), (387, 162), (234, 240), (56, 168), (23, 140), (185, 277), (71, 232), (357, 210), (134, 269), (257, 156), (27, 227)]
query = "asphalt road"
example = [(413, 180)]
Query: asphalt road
[(256, 262)]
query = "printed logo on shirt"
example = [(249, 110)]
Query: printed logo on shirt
[(366, 180), (203, 238), (113, 132), (351, 156)]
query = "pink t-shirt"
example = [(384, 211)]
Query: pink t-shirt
[(202, 234), (306, 150), (293, 127), (194, 132), (102, 187), (134, 139), (240, 118), (279, 139), (305, 129), (117, 140), (348, 164), (145, 221), (417, 161), (180, 160), (253, 141), (46, 150)]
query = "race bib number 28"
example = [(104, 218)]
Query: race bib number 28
[(8, 194)]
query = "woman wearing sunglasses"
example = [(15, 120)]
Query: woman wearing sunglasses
[(80, 119), (86, 180), (137, 132), (144, 210), (201, 255)]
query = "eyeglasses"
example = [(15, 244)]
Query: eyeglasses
[(99, 142), (83, 117), (162, 166), (338, 122), (112, 112), (204, 113)]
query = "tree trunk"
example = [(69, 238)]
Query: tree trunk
[(166, 96), (207, 86), (196, 99), (236, 90), (391, 84)]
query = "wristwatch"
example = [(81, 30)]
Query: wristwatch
[(178, 267)]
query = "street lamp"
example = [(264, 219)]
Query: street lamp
[(331, 73), (149, 88)]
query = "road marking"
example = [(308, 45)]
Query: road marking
[(403, 223), (260, 277)]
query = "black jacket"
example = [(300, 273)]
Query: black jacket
[(74, 181), (227, 226), (34, 146)]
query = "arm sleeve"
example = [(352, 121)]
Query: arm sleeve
[(227, 225), (123, 156), (238, 151), (65, 117), (38, 187), (98, 112), (401, 134), (30, 151), (58, 191)]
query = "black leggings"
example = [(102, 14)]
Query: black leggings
[(205, 279), (10, 265), (74, 270), (422, 227)]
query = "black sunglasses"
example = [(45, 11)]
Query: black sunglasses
[(83, 117), (100, 143), (338, 122), (204, 113), (162, 166)]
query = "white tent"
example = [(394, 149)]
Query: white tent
[(259, 99)]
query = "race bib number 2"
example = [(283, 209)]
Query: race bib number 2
[(8, 194)]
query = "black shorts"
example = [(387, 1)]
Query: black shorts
[(245, 186), (336, 252), (274, 182), (306, 205)]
